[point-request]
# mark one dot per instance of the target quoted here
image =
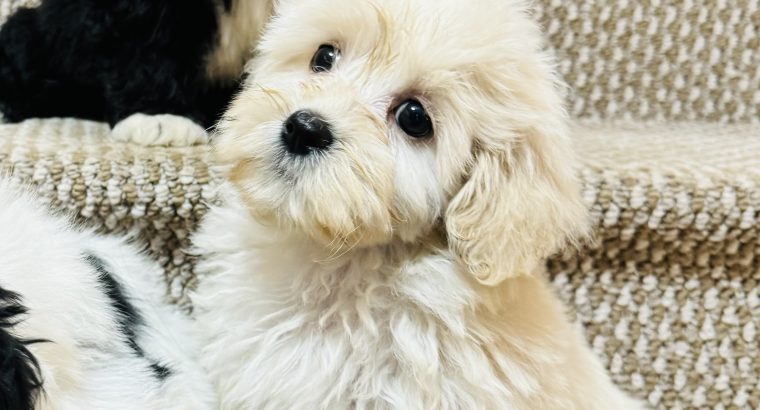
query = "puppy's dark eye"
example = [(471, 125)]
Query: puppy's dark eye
[(413, 119), (324, 58)]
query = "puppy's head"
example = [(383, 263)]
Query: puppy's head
[(370, 121)]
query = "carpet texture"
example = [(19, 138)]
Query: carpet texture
[(669, 290)]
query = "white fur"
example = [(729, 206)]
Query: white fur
[(159, 130), (399, 326), (86, 363), (387, 272)]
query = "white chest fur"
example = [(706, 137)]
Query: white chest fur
[(288, 327)]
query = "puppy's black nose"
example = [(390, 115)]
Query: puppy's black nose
[(305, 132)]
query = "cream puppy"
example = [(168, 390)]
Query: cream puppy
[(398, 171)]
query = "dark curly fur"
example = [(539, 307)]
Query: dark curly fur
[(20, 381), (107, 59)]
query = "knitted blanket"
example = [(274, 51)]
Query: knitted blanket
[(669, 290)]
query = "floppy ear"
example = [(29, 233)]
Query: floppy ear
[(520, 201)]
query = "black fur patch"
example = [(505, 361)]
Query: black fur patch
[(129, 319), (105, 60), (127, 316), (20, 380), (159, 371)]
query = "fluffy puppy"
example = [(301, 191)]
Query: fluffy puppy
[(398, 171), (83, 324), (163, 70)]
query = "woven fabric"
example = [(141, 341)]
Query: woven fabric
[(668, 292), (156, 194), (656, 59)]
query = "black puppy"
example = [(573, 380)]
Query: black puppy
[(105, 60)]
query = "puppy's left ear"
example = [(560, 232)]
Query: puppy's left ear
[(520, 201)]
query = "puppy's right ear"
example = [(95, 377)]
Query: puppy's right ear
[(520, 201)]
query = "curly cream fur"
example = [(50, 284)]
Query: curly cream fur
[(386, 271)]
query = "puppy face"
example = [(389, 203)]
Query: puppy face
[(370, 121)]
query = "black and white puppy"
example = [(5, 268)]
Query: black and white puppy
[(83, 324), (145, 65)]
